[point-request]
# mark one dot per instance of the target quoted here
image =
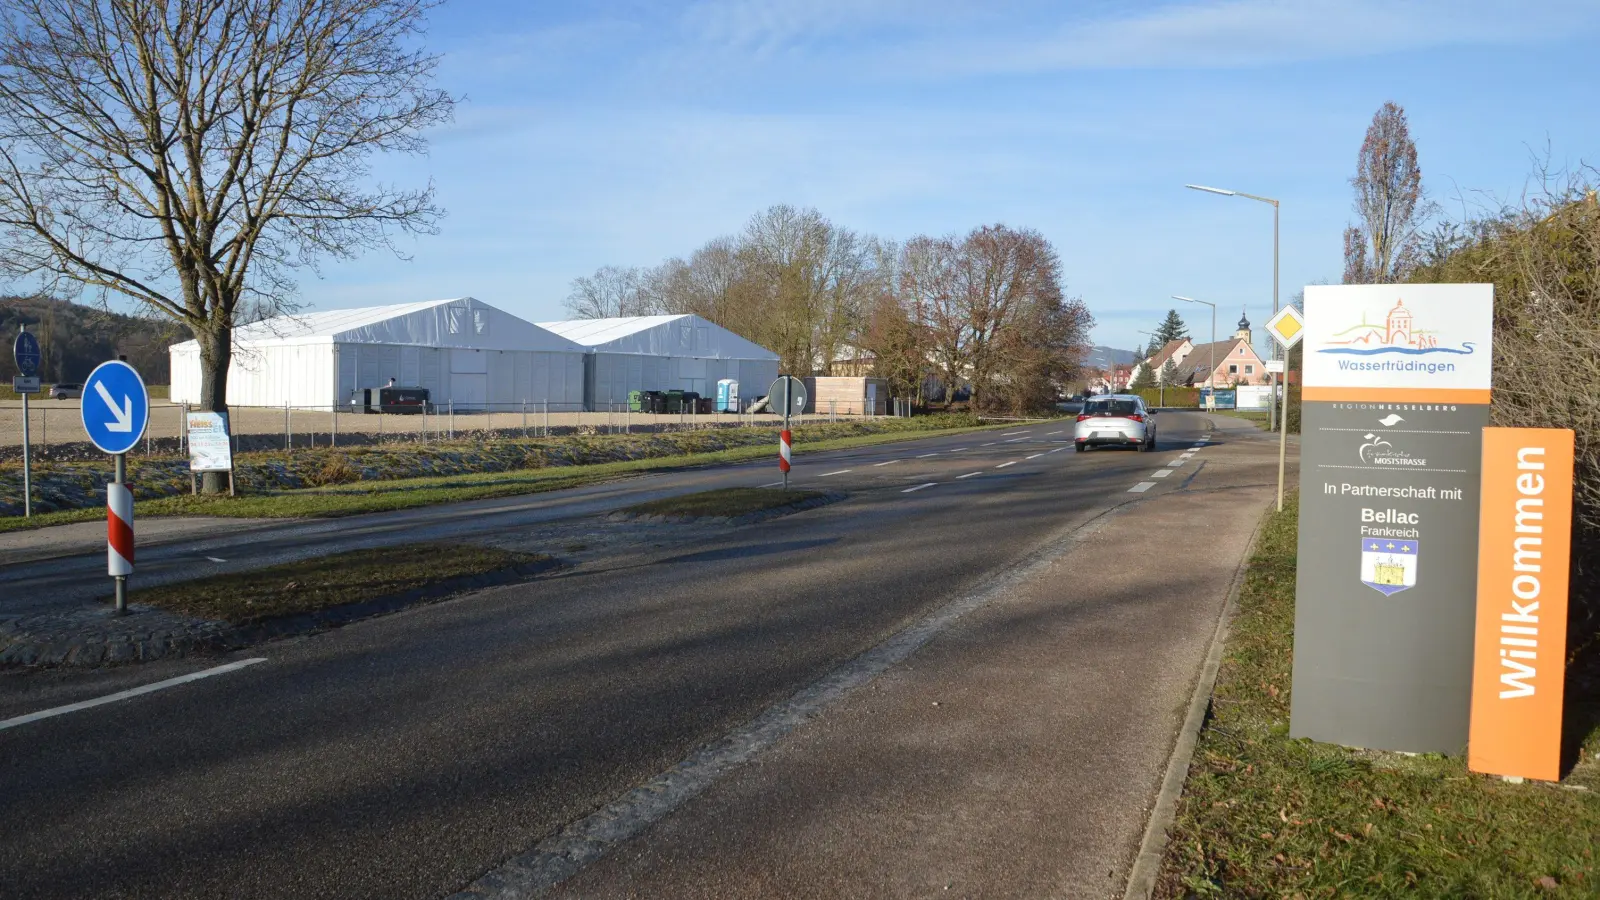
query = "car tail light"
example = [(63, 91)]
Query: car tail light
[(1137, 418), (1082, 418)]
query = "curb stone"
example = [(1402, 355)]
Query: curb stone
[(93, 637)]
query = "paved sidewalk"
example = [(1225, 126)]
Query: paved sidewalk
[(1017, 755)]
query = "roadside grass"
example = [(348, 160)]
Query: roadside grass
[(1266, 816), (326, 582), (409, 493), (722, 502), (1258, 416)]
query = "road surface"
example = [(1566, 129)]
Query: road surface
[(1058, 606)]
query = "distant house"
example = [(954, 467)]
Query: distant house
[(1173, 350), (1224, 363)]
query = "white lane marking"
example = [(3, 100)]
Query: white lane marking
[(912, 490), (959, 449), (840, 472), (1015, 440), (1058, 450), (1161, 474), (1141, 487), (990, 444), (774, 484), (1199, 446), (1003, 465), (1048, 433), (926, 455), (216, 559), (889, 463), (1179, 461), (968, 475), (1206, 437), (1010, 433), (1036, 455), (124, 695)]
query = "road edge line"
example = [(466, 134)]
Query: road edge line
[(129, 694), (1153, 847)]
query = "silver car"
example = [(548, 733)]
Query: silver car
[(1115, 420)]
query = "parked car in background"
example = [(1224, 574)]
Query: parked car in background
[(1117, 420), (66, 391), (1072, 405)]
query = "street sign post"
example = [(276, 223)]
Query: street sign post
[(115, 411), (789, 393), (1286, 328), (1395, 396), (25, 349)]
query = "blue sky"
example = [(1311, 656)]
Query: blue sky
[(626, 132)]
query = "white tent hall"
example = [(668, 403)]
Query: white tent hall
[(661, 353), (464, 351)]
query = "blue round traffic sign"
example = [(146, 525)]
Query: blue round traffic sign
[(26, 350), (116, 407)]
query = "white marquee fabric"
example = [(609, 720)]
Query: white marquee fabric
[(660, 353)]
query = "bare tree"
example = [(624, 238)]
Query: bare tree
[(612, 292), (192, 155), (1383, 246)]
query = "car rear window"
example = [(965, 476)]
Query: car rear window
[(1112, 408)]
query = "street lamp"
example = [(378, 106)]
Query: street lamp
[(1272, 377), (1212, 376)]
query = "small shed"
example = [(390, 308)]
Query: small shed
[(847, 396), (464, 351), (662, 353)]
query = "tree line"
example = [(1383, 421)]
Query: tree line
[(73, 339), (983, 314)]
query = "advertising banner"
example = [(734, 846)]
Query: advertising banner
[(209, 447), (1524, 555), (1395, 399)]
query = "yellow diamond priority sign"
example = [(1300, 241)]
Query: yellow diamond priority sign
[(1287, 327)]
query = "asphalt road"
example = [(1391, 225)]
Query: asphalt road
[(408, 755)]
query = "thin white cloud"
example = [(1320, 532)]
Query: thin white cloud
[(1247, 33)]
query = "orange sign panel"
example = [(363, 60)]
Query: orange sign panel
[(1524, 552)]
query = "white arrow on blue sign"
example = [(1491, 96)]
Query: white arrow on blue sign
[(116, 407), (26, 351)]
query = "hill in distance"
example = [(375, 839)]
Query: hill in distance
[(75, 338), (1101, 357)]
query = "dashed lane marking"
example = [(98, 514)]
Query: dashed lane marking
[(968, 475), (1003, 465), (124, 695), (1058, 450), (889, 463), (912, 490), (1141, 487), (959, 449), (926, 455), (1048, 433), (1010, 433), (990, 444), (1016, 440), (840, 472), (1161, 474), (1037, 455), (216, 559)]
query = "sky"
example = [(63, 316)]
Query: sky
[(626, 132)]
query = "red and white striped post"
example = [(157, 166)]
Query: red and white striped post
[(785, 453), (119, 532)]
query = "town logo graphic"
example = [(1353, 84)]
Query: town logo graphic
[(1388, 566), (1397, 334), (1379, 452)]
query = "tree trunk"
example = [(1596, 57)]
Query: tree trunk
[(216, 351)]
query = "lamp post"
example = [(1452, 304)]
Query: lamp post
[(1272, 377), (1211, 377)]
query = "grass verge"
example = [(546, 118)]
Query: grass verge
[(409, 493), (327, 582), (1258, 416), (1266, 816), (723, 502)]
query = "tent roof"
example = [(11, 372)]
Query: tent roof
[(458, 322), (659, 335)]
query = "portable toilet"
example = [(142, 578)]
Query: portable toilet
[(728, 395)]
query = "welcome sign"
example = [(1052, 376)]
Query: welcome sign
[(1395, 399)]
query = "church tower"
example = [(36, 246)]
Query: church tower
[(1243, 333)]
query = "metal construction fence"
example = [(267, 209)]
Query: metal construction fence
[(57, 425)]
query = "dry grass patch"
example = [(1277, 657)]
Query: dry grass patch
[(330, 581)]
